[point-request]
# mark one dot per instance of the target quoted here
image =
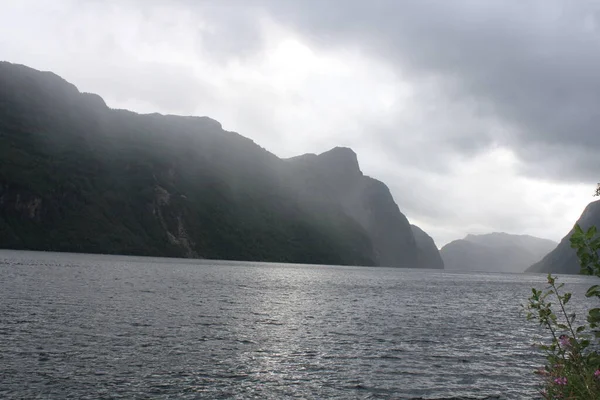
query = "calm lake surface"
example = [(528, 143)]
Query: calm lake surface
[(87, 326)]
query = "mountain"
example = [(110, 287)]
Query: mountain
[(495, 252), (334, 177), (78, 176), (563, 259), (428, 253)]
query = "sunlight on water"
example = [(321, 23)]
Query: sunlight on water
[(123, 327)]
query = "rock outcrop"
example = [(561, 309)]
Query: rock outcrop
[(334, 178)]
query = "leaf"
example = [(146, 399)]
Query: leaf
[(589, 235), (594, 316), (580, 329), (566, 298), (529, 316), (576, 241), (593, 291), (587, 270), (595, 244), (584, 259)]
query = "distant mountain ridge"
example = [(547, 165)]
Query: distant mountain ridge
[(495, 252), (563, 259), (78, 176)]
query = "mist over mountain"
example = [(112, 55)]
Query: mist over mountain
[(563, 259), (428, 252), (495, 252), (78, 176), (334, 177)]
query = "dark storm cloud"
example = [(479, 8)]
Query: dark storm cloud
[(530, 65)]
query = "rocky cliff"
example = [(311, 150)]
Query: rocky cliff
[(334, 177), (563, 259), (427, 252), (76, 175)]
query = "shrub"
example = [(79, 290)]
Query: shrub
[(572, 370)]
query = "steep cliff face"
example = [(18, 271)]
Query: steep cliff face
[(428, 253), (76, 175), (374, 207), (563, 259), (494, 252), (334, 178)]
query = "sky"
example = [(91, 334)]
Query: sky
[(481, 116)]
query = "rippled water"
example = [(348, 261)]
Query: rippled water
[(82, 326)]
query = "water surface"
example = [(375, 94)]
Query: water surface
[(88, 326)]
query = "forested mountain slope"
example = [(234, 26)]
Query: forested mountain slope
[(78, 176)]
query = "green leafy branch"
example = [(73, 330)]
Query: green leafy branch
[(573, 362)]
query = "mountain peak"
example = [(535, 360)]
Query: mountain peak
[(94, 100), (341, 161), (500, 236), (342, 151), (491, 234), (49, 82)]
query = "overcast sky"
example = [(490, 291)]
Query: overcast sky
[(479, 115)]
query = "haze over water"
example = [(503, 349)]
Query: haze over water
[(88, 326)]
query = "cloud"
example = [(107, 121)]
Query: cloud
[(479, 115), (531, 65), (484, 194)]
